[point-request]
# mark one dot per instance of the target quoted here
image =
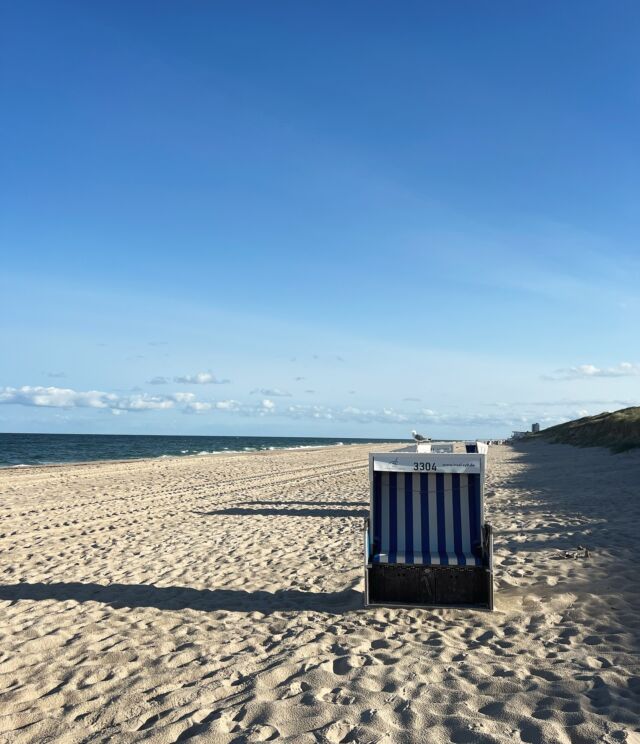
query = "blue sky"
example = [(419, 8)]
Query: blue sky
[(345, 219)]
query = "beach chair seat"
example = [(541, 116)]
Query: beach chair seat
[(426, 543), (418, 558)]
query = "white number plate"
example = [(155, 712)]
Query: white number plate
[(428, 463)]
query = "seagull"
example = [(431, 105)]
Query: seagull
[(419, 437)]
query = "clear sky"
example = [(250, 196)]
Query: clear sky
[(318, 218)]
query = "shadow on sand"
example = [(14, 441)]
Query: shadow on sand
[(240, 511), (361, 504), (183, 597), (576, 494)]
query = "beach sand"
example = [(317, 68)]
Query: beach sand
[(219, 599)]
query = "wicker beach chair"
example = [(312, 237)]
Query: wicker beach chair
[(426, 541)]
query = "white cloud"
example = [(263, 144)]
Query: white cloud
[(55, 397), (346, 414), (198, 407), (354, 414), (516, 416), (571, 402), (272, 392), (589, 371), (200, 378), (220, 405), (227, 405), (144, 403), (424, 417), (158, 380), (231, 406), (183, 397), (263, 408)]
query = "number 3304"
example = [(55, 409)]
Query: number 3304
[(425, 466)]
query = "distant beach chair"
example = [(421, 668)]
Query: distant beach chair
[(481, 447), (426, 542), (442, 447)]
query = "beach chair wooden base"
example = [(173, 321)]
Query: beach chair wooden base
[(429, 586)]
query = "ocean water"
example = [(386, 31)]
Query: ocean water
[(20, 450)]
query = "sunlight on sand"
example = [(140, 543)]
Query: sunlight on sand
[(221, 598)]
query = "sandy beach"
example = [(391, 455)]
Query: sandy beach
[(219, 599)]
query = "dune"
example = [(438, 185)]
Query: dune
[(219, 599), (619, 431)]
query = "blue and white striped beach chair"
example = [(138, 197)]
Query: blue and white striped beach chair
[(426, 541)]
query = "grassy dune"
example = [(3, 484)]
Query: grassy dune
[(620, 431)]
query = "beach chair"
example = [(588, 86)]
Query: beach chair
[(442, 447), (481, 447), (426, 541)]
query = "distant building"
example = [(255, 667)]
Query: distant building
[(518, 434), (535, 428)]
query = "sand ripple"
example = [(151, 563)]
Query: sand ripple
[(220, 599)]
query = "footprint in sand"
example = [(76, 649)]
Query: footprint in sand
[(259, 732), (592, 640), (493, 710), (545, 674), (296, 688), (339, 731), (367, 716), (346, 664), (337, 696)]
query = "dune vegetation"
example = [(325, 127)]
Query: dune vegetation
[(619, 431)]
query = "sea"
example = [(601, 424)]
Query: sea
[(24, 450)]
